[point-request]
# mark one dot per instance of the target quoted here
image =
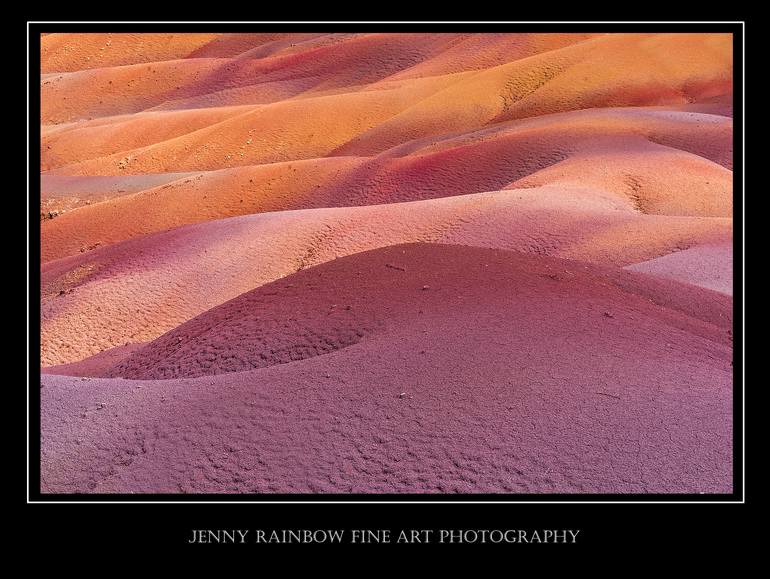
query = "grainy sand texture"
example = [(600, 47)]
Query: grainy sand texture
[(386, 263)]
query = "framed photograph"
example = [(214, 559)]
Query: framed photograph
[(386, 283)]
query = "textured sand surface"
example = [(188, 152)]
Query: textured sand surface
[(420, 368), (236, 230), (603, 151), (709, 266), (142, 288)]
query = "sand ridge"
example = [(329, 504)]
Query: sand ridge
[(143, 287)]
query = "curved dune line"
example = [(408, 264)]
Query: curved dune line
[(696, 74), (288, 130), (73, 52), (136, 87), (141, 288), (84, 141), (580, 76), (64, 150), (602, 149), (260, 329)]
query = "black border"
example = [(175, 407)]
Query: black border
[(34, 29)]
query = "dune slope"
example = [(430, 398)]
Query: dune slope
[(386, 262), (475, 370), (141, 288)]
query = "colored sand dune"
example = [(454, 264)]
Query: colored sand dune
[(402, 263)]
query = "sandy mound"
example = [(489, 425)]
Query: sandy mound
[(142, 288), (656, 162), (361, 94), (507, 373), (581, 76), (357, 60), (333, 306)]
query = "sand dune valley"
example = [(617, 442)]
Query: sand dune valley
[(386, 263)]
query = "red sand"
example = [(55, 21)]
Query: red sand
[(418, 368), (603, 150), (142, 288), (183, 171)]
